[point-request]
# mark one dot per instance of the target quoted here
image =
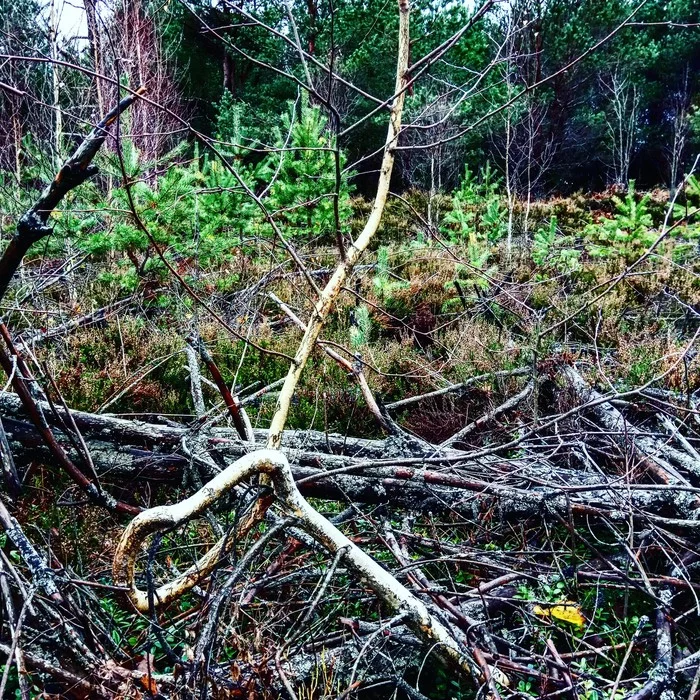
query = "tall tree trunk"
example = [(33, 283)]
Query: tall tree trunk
[(55, 81), (95, 40), (313, 23)]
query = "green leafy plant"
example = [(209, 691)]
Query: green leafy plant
[(687, 234), (543, 242), (385, 284), (477, 220), (629, 233), (361, 329), (164, 204), (302, 173), (477, 209), (553, 251), (226, 215)]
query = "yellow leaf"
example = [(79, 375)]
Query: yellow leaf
[(499, 677), (569, 612), (539, 610), (566, 612)]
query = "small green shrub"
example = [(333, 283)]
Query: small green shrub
[(361, 329), (553, 252), (478, 211), (302, 174), (385, 285), (628, 234)]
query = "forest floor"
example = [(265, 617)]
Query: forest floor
[(533, 475)]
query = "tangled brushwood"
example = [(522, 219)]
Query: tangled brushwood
[(407, 445)]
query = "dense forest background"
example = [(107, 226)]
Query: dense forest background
[(350, 349), (626, 110)]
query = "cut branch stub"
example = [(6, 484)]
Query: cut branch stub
[(77, 169)]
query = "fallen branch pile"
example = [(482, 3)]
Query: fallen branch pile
[(638, 479), (517, 551)]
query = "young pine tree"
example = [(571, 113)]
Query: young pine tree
[(303, 175)]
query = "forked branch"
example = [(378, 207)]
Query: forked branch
[(275, 466)]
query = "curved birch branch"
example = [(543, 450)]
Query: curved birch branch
[(275, 466), (165, 517), (330, 293)]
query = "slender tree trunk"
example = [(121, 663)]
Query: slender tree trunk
[(55, 81), (17, 139), (509, 185), (681, 128), (95, 40), (313, 22)]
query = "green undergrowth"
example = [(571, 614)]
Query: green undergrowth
[(426, 308), (413, 319)]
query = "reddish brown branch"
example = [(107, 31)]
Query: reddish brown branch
[(20, 383), (231, 402)]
